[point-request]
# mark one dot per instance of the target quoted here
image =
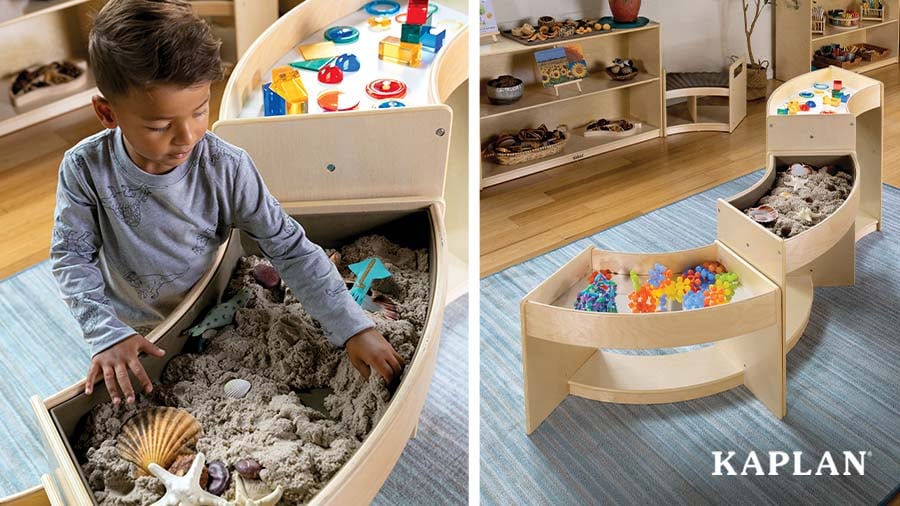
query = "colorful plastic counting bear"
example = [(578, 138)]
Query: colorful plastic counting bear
[(394, 50)]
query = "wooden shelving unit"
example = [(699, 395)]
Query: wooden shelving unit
[(794, 48), (35, 32), (600, 97), (32, 33)]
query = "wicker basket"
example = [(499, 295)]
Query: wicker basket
[(492, 155), (845, 23), (620, 77)]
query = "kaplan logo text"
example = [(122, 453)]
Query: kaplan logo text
[(794, 463)]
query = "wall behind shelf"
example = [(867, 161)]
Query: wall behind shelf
[(696, 35)]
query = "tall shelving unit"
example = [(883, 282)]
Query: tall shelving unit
[(639, 99), (795, 47)]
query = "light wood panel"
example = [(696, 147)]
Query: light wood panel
[(536, 214)]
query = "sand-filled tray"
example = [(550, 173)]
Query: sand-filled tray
[(320, 432), (811, 216), (307, 409)]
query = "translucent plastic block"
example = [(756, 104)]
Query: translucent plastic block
[(273, 104), (411, 33), (417, 12), (394, 50), (432, 41)]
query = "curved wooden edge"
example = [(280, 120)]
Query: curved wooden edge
[(359, 480), (642, 379), (34, 496), (798, 299), (852, 80), (58, 454), (450, 69), (698, 127), (699, 91), (811, 244)]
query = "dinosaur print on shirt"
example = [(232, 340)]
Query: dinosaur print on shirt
[(126, 203), (148, 285)]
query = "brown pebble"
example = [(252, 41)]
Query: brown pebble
[(266, 276), (183, 463), (248, 468), (785, 231)]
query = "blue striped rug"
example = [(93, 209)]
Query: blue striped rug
[(42, 353), (843, 393)]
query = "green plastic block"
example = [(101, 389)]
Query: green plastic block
[(410, 33), (313, 65)]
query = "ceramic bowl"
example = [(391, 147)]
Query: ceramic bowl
[(505, 90)]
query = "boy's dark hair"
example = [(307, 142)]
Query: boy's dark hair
[(143, 43)]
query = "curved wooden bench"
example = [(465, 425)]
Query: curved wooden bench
[(731, 84)]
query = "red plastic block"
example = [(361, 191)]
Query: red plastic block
[(417, 12)]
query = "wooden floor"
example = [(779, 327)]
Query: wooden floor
[(530, 216), (29, 165)]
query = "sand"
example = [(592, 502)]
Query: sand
[(803, 201), (280, 349)]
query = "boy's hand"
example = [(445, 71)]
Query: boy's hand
[(114, 362), (369, 350)]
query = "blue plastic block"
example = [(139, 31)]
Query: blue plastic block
[(432, 41), (273, 104)]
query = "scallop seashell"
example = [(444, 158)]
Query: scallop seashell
[(763, 213), (157, 435), (237, 388)]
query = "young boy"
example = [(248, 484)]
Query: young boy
[(142, 206)]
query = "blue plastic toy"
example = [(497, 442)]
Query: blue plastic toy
[(342, 34), (432, 41), (382, 7), (658, 275), (347, 62), (599, 296), (692, 300), (366, 271), (273, 104), (391, 104)]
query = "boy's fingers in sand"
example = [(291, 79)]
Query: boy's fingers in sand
[(360, 366), (93, 372), (109, 377), (395, 362), (141, 375), (384, 369), (125, 382)]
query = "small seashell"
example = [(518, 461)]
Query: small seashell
[(248, 468), (763, 213), (219, 477), (801, 169), (183, 463), (237, 388), (266, 276), (157, 435)]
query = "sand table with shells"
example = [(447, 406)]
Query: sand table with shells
[(801, 197), (281, 433)]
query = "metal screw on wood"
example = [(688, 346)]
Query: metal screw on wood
[(440, 132)]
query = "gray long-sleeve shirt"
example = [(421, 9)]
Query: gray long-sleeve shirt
[(127, 245)]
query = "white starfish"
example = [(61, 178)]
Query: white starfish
[(185, 489), (796, 183), (806, 215), (242, 497)]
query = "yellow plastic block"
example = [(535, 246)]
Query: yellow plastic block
[(394, 50), (287, 83), (318, 50)]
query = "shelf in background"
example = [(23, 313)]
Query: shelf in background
[(577, 147), (12, 11), (831, 31), (507, 46), (538, 96), (12, 119), (875, 65)]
